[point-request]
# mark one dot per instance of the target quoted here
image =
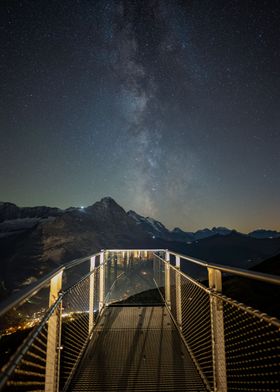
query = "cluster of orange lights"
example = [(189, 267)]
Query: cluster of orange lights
[(21, 327)]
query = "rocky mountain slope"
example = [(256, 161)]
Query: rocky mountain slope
[(37, 247)]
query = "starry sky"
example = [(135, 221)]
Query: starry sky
[(170, 107)]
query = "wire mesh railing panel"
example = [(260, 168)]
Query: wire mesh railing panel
[(19, 321), (35, 363), (96, 295), (116, 267), (30, 372), (75, 327), (196, 325), (119, 262), (252, 345), (173, 293), (74, 274), (195, 271), (159, 275), (128, 275)]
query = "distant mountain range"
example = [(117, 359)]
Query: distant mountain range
[(34, 240), (158, 230), (14, 218)]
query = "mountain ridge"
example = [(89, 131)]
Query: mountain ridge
[(10, 211), (33, 243)]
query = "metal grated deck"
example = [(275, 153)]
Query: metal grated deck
[(136, 349)]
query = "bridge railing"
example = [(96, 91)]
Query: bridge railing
[(233, 346), (47, 355), (30, 331)]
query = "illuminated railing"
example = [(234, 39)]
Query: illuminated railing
[(233, 346)]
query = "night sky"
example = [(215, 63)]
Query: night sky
[(170, 107)]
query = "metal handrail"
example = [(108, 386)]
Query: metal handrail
[(136, 250), (257, 313), (24, 295), (79, 261), (11, 365), (263, 277), (5, 306), (80, 281), (23, 348), (194, 281)]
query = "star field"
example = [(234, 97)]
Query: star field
[(170, 107)]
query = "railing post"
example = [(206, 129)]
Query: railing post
[(167, 279), (178, 293), (124, 261), (128, 261), (155, 273), (101, 281), (91, 294), (115, 266), (218, 337), (53, 338)]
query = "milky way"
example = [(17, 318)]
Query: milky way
[(170, 107)]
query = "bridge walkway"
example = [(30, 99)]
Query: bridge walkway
[(136, 348)]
